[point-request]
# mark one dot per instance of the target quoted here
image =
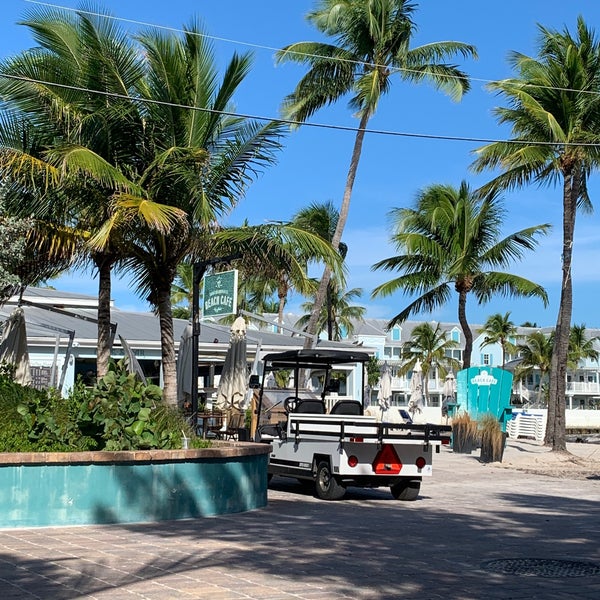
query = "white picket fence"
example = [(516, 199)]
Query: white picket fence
[(526, 425)]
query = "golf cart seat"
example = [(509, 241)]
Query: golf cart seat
[(347, 407), (311, 407)]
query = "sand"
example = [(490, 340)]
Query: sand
[(581, 461)]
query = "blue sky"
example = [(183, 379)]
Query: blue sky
[(313, 165)]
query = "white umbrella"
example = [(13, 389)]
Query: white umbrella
[(416, 388), (448, 393), (233, 385), (385, 387), (184, 366), (449, 387), (13, 346)]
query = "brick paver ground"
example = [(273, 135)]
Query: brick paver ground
[(367, 547)]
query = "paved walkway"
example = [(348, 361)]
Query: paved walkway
[(367, 547)]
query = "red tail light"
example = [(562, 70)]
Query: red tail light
[(352, 461), (420, 462)]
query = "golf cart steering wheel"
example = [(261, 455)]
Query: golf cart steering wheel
[(289, 404)]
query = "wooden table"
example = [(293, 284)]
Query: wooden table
[(205, 419)]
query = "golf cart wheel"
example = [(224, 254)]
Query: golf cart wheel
[(326, 485), (406, 489)]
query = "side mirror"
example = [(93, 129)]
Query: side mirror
[(254, 382)]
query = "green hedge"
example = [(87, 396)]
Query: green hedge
[(118, 413)]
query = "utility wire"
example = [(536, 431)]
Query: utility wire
[(308, 55), (292, 122)]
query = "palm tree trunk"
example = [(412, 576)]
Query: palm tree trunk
[(104, 266), (311, 327), (555, 427), (329, 313), (167, 344), (464, 324)]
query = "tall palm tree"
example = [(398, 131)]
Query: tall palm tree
[(553, 111), (46, 87), (322, 219), (451, 239), (433, 349), (196, 158), (339, 316), (371, 42), (535, 353), (500, 329)]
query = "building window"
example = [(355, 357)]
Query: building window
[(396, 333), (486, 360), (455, 336)]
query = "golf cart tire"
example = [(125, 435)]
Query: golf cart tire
[(406, 489), (326, 485)]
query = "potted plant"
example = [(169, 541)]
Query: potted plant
[(464, 433), (493, 439)]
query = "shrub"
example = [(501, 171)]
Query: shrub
[(130, 415), (39, 420), (118, 413)]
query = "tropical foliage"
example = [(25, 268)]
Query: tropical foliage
[(451, 239), (432, 348), (338, 316), (500, 329), (553, 109), (371, 43)]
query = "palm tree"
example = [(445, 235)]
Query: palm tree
[(581, 347), (553, 111), (77, 52), (339, 316), (371, 43), (182, 290), (273, 260), (322, 219), (535, 353), (500, 329), (451, 239), (433, 349)]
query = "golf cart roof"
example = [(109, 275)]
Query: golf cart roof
[(312, 359)]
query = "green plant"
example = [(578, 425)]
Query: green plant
[(130, 415), (39, 420)]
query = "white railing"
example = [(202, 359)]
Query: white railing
[(583, 387)]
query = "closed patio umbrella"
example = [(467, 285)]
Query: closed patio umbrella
[(184, 366), (416, 388), (385, 387), (233, 385), (13, 346), (131, 361)]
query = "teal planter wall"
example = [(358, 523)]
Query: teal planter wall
[(128, 491)]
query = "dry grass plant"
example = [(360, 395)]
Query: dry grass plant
[(464, 433), (492, 439)]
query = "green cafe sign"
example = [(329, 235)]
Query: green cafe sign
[(220, 294)]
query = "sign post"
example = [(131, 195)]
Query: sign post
[(199, 270)]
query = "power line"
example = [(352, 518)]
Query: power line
[(292, 122), (308, 55)]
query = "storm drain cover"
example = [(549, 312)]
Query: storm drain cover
[(542, 567)]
